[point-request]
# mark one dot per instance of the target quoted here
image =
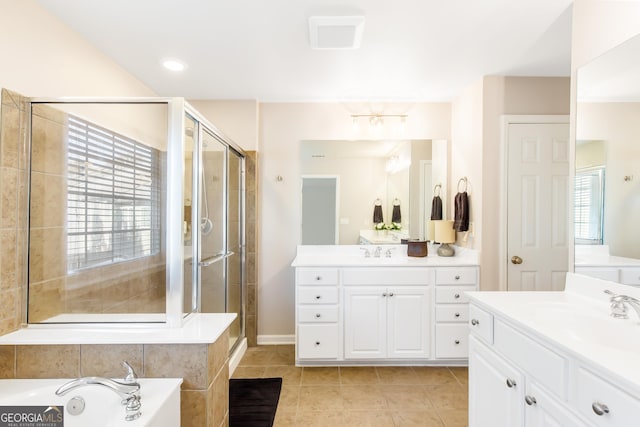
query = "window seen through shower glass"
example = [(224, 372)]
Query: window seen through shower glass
[(113, 201), (97, 212)]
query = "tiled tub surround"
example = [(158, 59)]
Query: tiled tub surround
[(395, 310), (197, 352), (554, 358)]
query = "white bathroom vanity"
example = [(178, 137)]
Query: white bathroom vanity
[(554, 358), (390, 309)]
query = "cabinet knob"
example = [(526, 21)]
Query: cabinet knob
[(600, 408), (457, 315), (457, 342), (457, 277), (391, 294), (530, 400), (317, 296), (318, 315), (318, 278), (456, 296), (317, 342), (384, 294), (511, 383), (475, 322)]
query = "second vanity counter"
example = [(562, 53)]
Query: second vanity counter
[(553, 358), (382, 310)]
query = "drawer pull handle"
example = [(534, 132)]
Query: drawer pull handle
[(600, 408), (511, 383), (530, 400), (317, 315), (475, 322), (457, 342), (457, 277), (318, 297), (318, 278), (456, 296), (457, 315), (317, 342)]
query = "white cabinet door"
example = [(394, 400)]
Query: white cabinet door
[(542, 410), (365, 322), (408, 322), (496, 389)]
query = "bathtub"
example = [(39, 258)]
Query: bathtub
[(160, 398)]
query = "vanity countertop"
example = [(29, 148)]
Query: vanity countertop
[(577, 321), (354, 256)]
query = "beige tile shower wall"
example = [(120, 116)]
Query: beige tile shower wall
[(251, 232), (204, 396), (13, 207)]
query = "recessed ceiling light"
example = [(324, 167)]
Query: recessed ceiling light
[(335, 32), (173, 65)]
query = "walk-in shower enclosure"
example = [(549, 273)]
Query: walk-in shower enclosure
[(136, 213)]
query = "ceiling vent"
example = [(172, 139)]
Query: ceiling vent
[(335, 32)]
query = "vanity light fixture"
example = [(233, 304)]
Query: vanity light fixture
[(376, 121), (174, 65)]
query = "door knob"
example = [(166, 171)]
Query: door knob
[(516, 259)]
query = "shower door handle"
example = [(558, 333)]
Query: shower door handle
[(208, 261)]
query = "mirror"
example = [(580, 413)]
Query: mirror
[(398, 176), (607, 196)]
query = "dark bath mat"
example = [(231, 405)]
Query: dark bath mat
[(253, 402)]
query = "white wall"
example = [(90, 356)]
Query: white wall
[(598, 25), (282, 127), (40, 56)]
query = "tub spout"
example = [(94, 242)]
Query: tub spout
[(123, 390)]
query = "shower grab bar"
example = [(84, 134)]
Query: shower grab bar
[(208, 261)]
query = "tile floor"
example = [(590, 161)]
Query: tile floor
[(360, 396)]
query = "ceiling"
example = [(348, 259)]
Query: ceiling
[(412, 50)]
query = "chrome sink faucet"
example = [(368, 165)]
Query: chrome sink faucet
[(377, 252), (128, 390), (619, 305)]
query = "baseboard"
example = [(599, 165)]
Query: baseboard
[(276, 339), (236, 356)]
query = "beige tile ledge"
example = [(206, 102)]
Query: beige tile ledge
[(201, 328)]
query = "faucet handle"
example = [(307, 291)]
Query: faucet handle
[(131, 376)]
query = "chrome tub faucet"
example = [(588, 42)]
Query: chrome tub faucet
[(128, 389)]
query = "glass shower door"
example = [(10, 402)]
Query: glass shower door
[(212, 225)]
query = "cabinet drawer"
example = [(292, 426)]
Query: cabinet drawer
[(318, 341), (623, 408), (452, 341), (456, 276), (317, 295), (481, 323), (318, 314), (386, 276), (611, 274), (453, 294), (452, 313), (547, 367), (317, 276), (630, 276)]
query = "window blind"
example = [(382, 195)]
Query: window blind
[(113, 197), (589, 206)]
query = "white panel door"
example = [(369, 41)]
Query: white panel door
[(538, 206), (365, 322), (492, 401), (408, 322)]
